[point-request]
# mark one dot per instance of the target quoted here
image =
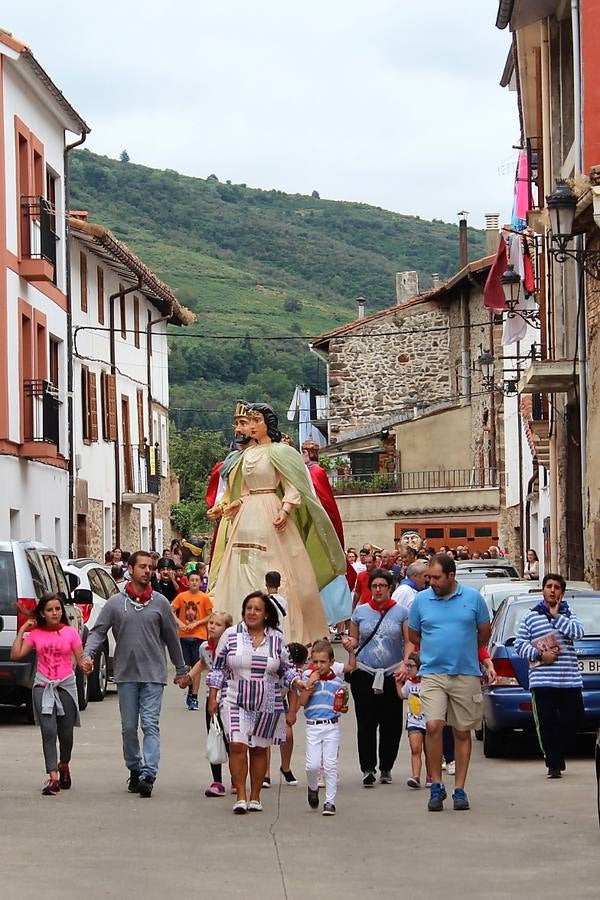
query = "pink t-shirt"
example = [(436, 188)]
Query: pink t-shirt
[(54, 650)]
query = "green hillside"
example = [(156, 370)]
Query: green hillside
[(254, 263)]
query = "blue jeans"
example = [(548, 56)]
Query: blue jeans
[(140, 703)]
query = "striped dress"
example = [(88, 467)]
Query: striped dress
[(251, 704), (536, 628)]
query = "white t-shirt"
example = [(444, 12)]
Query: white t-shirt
[(415, 717), (281, 604), (358, 567), (404, 595)]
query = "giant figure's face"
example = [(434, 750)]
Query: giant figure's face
[(258, 426), (411, 539), (241, 427)]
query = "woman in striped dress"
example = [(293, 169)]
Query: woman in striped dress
[(250, 661)]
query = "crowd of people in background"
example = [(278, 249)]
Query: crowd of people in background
[(403, 645)]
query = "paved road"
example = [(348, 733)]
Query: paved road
[(524, 836)]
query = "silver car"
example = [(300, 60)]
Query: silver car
[(88, 574), (28, 570)]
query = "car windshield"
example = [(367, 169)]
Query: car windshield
[(587, 610)]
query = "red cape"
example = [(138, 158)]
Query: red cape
[(213, 485), (326, 498)]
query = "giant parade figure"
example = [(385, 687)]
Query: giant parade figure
[(271, 520)]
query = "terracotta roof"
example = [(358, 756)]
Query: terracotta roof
[(22, 51), (104, 244), (472, 268)]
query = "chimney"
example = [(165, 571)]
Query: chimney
[(463, 247), (492, 233), (407, 286), (361, 307), (435, 280), (81, 214)]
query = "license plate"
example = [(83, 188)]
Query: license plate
[(589, 666)]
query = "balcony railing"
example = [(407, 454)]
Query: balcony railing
[(419, 481), (39, 237), (42, 408), (141, 464)]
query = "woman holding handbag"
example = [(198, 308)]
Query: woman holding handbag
[(379, 639)]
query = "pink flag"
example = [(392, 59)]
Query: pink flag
[(493, 294)]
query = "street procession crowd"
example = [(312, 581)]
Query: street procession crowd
[(262, 621)]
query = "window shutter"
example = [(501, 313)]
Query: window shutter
[(85, 406), (111, 394), (83, 281), (93, 406), (136, 320), (140, 415), (100, 278)]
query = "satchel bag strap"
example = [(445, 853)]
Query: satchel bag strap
[(373, 633)]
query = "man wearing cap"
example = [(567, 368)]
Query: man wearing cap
[(167, 583)]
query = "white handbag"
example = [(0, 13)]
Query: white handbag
[(216, 751)]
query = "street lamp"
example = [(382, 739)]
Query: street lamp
[(562, 203), (511, 285), (486, 365)]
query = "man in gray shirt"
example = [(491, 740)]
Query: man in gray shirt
[(143, 625)]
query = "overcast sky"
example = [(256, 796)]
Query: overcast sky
[(392, 102)]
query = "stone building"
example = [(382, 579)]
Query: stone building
[(408, 407)]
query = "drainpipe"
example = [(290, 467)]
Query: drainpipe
[(113, 370), (150, 422), (70, 435), (580, 286)]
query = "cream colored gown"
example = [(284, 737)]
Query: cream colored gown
[(255, 547)]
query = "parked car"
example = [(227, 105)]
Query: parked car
[(507, 705), (28, 570), (478, 578), (597, 758), (87, 573), (494, 593), (472, 566)]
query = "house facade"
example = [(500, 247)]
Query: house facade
[(553, 67), (416, 430), (123, 488), (35, 120)]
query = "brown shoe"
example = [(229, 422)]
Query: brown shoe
[(64, 776)]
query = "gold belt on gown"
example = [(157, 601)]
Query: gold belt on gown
[(264, 491)]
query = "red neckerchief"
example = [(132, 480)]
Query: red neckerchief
[(415, 679), (329, 677), (139, 598), (211, 646), (381, 607)]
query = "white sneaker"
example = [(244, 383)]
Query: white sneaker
[(444, 766), (451, 768)]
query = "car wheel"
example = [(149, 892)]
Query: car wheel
[(493, 743), (98, 678), (82, 688)]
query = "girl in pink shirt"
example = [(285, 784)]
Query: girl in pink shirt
[(54, 693)]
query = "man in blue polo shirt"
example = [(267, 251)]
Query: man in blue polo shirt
[(449, 622)]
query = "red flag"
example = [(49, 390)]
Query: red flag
[(493, 294)]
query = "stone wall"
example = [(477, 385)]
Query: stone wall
[(592, 532), (130, 528), (372, 373), (96, 529)]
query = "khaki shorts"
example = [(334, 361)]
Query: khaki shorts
[(455, 699)]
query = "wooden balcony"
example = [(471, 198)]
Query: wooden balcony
[(37, 260)]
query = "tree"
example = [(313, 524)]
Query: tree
[(315, 195), (124, 156), (193, 453), (291, 304)]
